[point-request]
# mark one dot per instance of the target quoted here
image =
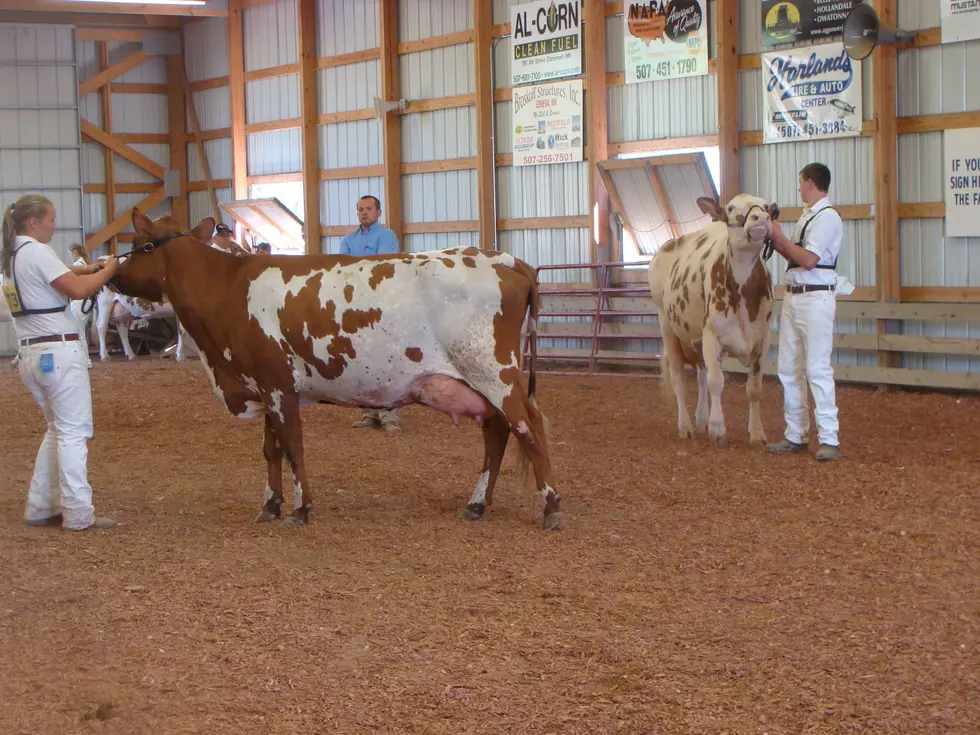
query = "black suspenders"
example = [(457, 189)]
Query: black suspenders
[(11, 292), (793, 264)]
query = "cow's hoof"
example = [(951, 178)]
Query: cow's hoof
[(758, 443), (294, 521), (686, 432), (265, 516), (720, 441), (472, 512), (552, 521)]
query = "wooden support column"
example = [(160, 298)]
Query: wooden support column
[(177, 127), (308, 111), (236, 85), (598, 135), (727, 80), (392, 203), (110, 161), (483, 38), (887, 262)]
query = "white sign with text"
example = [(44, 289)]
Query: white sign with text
[(548, 123)]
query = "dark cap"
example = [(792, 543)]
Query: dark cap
[(223, 228)]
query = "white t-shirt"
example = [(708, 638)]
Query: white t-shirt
[(35, 267)]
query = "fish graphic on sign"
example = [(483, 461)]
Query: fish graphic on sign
[(843, 108)]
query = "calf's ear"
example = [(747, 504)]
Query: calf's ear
[(141, 223), (204, 231), (712, 208), (773, 210)]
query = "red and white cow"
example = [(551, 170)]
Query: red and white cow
[(442, 329), (714, 297), (121, 310)]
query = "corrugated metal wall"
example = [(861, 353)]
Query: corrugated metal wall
[(40, 144), (344, 28), (933, 80)]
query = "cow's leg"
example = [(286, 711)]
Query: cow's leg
[(528, 425), (123, 330), (284, 413), (105, 313), (753, 388), (179, 354), (716, 383), (675, 368), (495, 436), (273, 488), (701, 413)]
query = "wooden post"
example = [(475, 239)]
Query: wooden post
[(308, 111), (392, 204), (887, 261), (201, 150), (483, 37), (727, 81), (110, 164), (177, 117), (598, 132), (236, 85)]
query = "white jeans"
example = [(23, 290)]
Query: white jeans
[(806, 340), (57, 375), (76, 310)]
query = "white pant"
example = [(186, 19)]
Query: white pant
[(806, 340), (60, 482), (76, 310)]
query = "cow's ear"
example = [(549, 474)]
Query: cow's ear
[(204, 231), (712, 208), (773, 210), (141, 223)]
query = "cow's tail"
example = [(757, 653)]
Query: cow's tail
[(525, 466)]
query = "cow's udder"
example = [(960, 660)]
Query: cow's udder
[(451, 397)]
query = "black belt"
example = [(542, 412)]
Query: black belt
[(50, 338), (804, 288)]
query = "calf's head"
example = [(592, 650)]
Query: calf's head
[(144, 272), (749, 218)]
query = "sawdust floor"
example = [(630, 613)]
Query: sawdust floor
[(691, 590)]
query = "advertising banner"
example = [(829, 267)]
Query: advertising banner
[(790, 21), (961, 154), (548, 123), (665, 40), (959, 20), (546, 41)]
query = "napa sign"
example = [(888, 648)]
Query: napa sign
[(810, 93)]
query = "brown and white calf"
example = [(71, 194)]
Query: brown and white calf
[(442, 329), (714, 298)]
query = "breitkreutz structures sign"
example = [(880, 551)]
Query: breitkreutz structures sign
[(545, 41), (810, 93), (548, 123)]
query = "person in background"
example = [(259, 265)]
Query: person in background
[(52, 363), (80, 258), (371, 238), (806, 325), (263, 248), (224, 239)]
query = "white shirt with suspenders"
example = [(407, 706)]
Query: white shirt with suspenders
[(53, 365), (806, 327)]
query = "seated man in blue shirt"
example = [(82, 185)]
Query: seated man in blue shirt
[(370, 238)]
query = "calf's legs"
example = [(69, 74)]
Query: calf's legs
[(272, 509), (753, 388), (495, 436), (716, 383), (282, 415)]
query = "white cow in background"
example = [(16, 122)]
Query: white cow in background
[(121, 310)]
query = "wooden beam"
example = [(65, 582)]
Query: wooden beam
[(653, 173), (185, 88), (357, 172), (61, 6), (392, 204), (213, 83), (120, 189), (208, 185), (236, 82), (445, 164), (663, 144), (940, 294), (434, 42), (846, 212), (157, 138), (131, 155), (120, 35), (108, 156), (119, 223), (937, 123), (288, 178), (177, 127), (269, 126), (329, 118), (309, 113), (726, 15), (116, 70), (355, 57), (94, 21), (921, 210), (887, 261), (597, 127), (439, 103), (127, 88), (215, 134), (544, 223), (271, 72), (419, 228), (485, 167)]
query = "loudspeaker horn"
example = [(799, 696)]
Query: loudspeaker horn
[(383, 106), (863, 31)]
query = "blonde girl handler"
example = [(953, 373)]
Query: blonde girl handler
[(53, 361)]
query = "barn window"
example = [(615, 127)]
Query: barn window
[(290, 193), (631, 251)]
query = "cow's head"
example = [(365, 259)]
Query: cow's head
[(143, 273), (749, 217)]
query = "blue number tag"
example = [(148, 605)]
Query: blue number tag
[(47, 363)]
